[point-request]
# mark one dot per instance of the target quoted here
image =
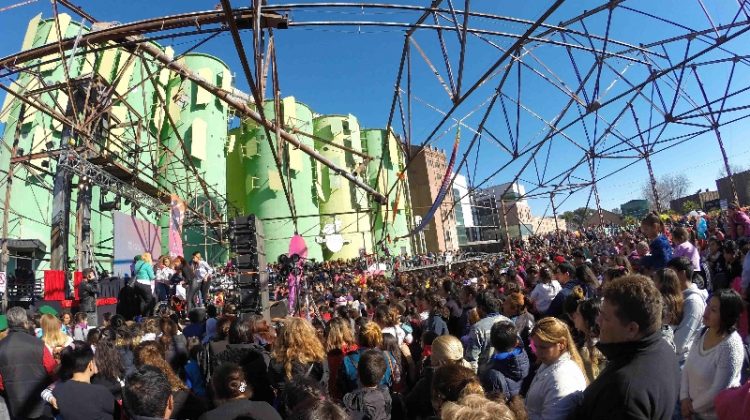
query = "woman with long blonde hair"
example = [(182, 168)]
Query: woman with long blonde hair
[(52, 335), (446, 350), (297, 351), (560, 379)]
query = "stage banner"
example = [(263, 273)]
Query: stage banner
[(133, 236), (176, 217)]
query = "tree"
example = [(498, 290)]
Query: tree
[(690, 205), (668, 187), (735, 170), (576, 219)]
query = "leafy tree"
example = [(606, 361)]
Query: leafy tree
[(690, 205), (577, 218), (735, 168), (668, 187)]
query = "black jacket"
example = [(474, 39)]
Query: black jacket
[(641, 381), (506, 374), (419, 399), (371, 403), (23, 373), (87, 291)]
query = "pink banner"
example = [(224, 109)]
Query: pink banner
[(176, 217)]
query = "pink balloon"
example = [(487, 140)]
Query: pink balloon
[(298, 246)]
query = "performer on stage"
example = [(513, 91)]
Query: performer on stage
[(203, 274), (144, 280), (164, 274), (87, 293)]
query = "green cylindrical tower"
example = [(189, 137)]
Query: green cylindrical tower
[(201, 122), (264, 194), (387, 225), (343, 207)]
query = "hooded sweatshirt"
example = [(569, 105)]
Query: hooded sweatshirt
[(506, 372), (692, 315)]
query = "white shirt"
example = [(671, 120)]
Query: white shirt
[(164, 274), (203, 270), (707, 372), (692, 319), (555, 390), (543, 294), (397, 332)]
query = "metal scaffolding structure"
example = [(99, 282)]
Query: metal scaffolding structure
[(618, 97)]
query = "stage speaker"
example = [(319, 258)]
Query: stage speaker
[(248, 243), (253, 297)]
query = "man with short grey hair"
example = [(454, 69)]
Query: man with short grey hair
[(26, 367), (17, 317)]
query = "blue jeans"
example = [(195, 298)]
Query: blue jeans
[(162, 292)]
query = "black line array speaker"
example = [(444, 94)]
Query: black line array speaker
[(248, 245)]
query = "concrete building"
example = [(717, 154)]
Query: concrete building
[(516, 207), (545, 225), (741, 183), (635, 208), (487, 219), (425, 177), (700, 198), (463, 209)]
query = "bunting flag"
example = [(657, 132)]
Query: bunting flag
[(177, 216), (395, 202), (442, 192)]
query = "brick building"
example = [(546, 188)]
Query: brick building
[(425, 177)]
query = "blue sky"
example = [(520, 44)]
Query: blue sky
[(349, 69)]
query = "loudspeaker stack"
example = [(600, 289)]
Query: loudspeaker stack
[(248, 246)]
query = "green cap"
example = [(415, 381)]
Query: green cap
[(46, 309), (3, 322)]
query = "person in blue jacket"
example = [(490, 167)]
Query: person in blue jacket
[(509, 365), (660, 251)]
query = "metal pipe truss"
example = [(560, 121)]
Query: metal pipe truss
[(96, 175)]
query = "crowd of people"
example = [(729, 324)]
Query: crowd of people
[(642, 323)]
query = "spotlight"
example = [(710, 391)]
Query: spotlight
[(110, 205), (45, 163), (50, 145), (19, 151)]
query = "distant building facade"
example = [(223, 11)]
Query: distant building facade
[(463, 209), (425, 178), (516, 208), (637, 209), (545, 225), (741, 183), (700, 198), (486, 212)]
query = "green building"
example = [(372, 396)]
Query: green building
[(156, 130), (137, 140), (255, 185), (635, 208)]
